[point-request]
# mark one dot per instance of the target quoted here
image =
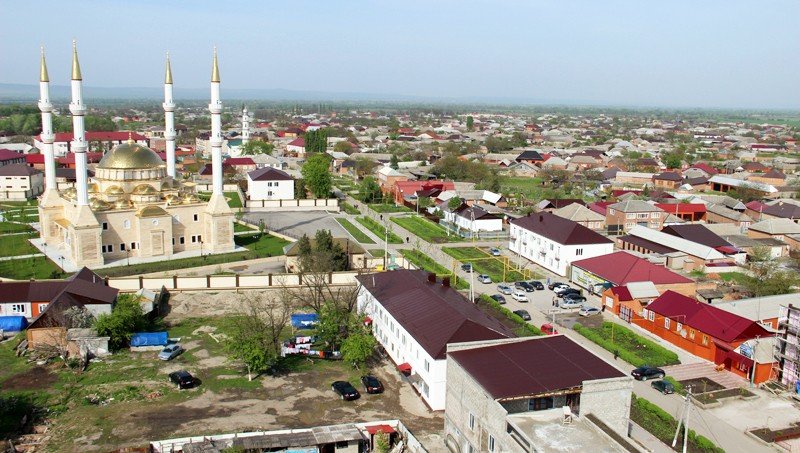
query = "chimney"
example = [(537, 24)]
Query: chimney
[(431, 277), (446, 282)]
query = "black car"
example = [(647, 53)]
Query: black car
[(561, 290), (552, 285), (466, 267), (345, 390), (372, 384), (182, 379), (527, 287), (663, 386), (523, 314), (537, 284), (574, 297), (644, 373), (498, 298)]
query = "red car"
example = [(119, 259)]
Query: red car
[(548, 329)]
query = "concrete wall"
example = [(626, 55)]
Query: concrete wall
[(610, 401), (320, 204), (222, 282)]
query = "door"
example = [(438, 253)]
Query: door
[(157, 240)]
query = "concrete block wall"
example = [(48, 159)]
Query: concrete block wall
[(609, 400)]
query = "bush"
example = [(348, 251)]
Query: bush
[(126, 318), (662, 425), (631, 347), (679, 389), (527, 330)]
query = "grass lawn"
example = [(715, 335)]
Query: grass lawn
[(348, 208), (484, 263), (39, 268), (427, 263), (26, 215), (258, 247), (359, 235), (736, 277), (632, 348), (8, 227), (17, 245), (378, 230), (529, 187), (425, 229), (387, 207), (377, 253), (663, 425), (234, 201), (241, 228)]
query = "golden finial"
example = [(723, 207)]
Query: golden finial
[(130, 138), (43, 77), (76, 67), (168, 78), (215, 69)]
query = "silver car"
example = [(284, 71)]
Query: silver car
[(505, 289), (170, 352), (483, 278), (567, 304)]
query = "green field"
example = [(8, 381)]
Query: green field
[(234, 201), (388, 208), (531, 188), (631, 347), (17, 245), (357, 234), (427, 263), (348, 208), (27, 268), (484, 263), (8, 227), (378, 230), (425, 229), (241, 228)]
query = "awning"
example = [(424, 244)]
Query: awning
[(404, 368), (367, 320), (382, 428), (415, 379), (63, 223)]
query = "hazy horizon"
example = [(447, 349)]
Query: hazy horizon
[(715, 54)]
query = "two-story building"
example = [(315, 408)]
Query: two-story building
[(623, 216), (414, 317), (269, 183), (20, 182), (554, 242)]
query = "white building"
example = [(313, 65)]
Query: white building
[(270, 184), (473, 219), (414, 317), (554, 242), (20, 182)]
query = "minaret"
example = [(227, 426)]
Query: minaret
[(169, 120), (47, 126), (245, 126), (215, 108), (78, 145)]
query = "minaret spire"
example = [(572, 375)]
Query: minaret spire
[(43, 76), (215, 68), (76, 66), (215, 108), (169, 120), (78, 145), (47, 128)]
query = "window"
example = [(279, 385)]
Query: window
[(17, 308), (471, 421), (691, 334), (194, 239), (655, 215), (641, 215), (126, 224), (678, 326), (705, 340), (427, 366), (134, 246), (122, 247), (578, 252), (666, 323), (181, 240), (651, 316), (612, 211), (199, 238), (630, 216), (105, 225), (491, 443), (269, 193), (42, 308), (196, 217)]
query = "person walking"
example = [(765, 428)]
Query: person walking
[(616, 354)]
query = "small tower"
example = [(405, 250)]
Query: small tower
[(78, 145), (47, 125), (215, 108), (169, 120), (245, 126)]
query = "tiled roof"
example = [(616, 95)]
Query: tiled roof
[(269, 174), (560, 230), (18, 170), (621, 268)]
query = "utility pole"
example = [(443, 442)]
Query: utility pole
[(471, 283), (687, 405)]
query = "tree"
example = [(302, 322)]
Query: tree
[(316, 141), (369, 191), (364, 166), (672, 160), (300, 191), (343, 147), (125, 319), (255, 334), (470, 123), (333, 324), (454, 203), (257, 147), (393, 162), (769, 279), (359, 344), (317, 176)]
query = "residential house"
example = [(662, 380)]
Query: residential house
[(626, 300), (104, 139), (764, 310), (635, 179), (19, 182), (681, 253), (668, 180), (554, 242), (529, 394), (530, 156), (406, 190), (552, 205), (269, 184), (579, 213), (475, 197), (414, 317), (388, 177), (9, 157), (241, 165), (719, 213), (780, 209), (623, 268), (625, 215), (719, 183), (472, 219), (773, 177), (692, 212), (706, 331), (784, 230), (297, 147)]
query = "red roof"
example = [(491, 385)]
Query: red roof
[(600, 207), (706, 318), (411, 187), (115, 136), (616, 193), (560, 230), (7, 154), (756, 205), (621, 292), (706, 168), (386, 429), (621, 268), (682, 208), (238, 161), (70, 158), (34, 158), (299, 141)]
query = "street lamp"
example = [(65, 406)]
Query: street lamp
[(61, 260), (201, 249), (128, 256)]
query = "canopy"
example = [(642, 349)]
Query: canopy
[(382, 428), (13, 323), (149, 339)]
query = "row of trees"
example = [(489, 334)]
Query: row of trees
[(499, 144), (316, 141), (254, 147), (31, 124), (316, 174), (461, 170)]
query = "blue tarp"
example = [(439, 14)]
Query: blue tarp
[(149, 339), (13, 323), (304, 320)]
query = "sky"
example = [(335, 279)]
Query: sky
[(676, 53)]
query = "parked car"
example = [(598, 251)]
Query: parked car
[(569, 304), (170, 352), (588, 311), (663, 387), (572, 297), (523, 314), (525, 286), (372, 384), (466, 267), (519, 295), (505, 289), (548, 329), (498, 298), (537, 284), (553, 285), (561, 290), (345, 390), (483, 278), (494, 251), (644, 373), (183, 379)]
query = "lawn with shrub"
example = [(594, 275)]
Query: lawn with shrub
[(17, 245), (378, 230), (663, 425), (357, 234), (425, 229), (520, 327), (388, 208), (9, 227), (348, 208), (631, 347), (484, 263), (423, 261), (38, 267)]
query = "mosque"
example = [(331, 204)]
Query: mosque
[(134, 206)]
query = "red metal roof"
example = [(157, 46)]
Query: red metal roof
[(706, 318), (239, 161), (706, 168), (7, 154), (373, 429), (299, 141), (600, 207), (559, 229), (622, 293), (531, 367), (682, 208), (411, 187), (106, 136), (621, 268), (34, 158)]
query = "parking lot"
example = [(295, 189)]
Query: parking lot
[(296, 224)]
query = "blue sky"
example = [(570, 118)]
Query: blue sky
[(673, 53)]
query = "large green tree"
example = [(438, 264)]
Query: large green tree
[(316, 141), (317, 175), (470, 122), (257, 147), (370, 191), (124, 320)]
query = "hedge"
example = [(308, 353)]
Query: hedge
[(528, 330), (630, 347), (662, 425)]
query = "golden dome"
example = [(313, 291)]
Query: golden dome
[(130, 155), (144, 189), (152, 211), (114, 190), (93, 188), (123, 204), (99, 205)]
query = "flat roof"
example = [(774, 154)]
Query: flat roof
[(547, 432), (533, 366)]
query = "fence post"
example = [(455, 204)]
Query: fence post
[(269, 277), (237, 280), (141, 282), (208, 281), (174, 282)]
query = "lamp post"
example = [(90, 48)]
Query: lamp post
[(128, 256), (201, 249), (61, 260)]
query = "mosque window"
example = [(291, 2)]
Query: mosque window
[(126, 224)]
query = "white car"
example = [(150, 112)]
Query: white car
[(519, 296), (569, 304), (588, 311)]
